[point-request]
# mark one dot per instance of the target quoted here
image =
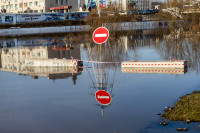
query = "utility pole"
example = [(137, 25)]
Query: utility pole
[(22, 6), (98, 8), (59, 5), (9, 5), (88, 5)]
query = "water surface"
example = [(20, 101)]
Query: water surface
[(48, 100)]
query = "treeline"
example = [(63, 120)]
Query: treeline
[(189, 23)]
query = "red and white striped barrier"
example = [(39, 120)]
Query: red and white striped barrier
[(171, 59), (157, 64), (164, 64), (76, 62), (155, 70)]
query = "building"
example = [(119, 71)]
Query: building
[(38, 6), (139, 4), (143, 4)]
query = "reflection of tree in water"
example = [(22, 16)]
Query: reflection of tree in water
[(121, 46), (116, 50), (125, 46), (179, 47), (112, 51), (128, 44)]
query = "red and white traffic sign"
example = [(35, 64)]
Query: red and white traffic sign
[(100, 35), (103, 97)]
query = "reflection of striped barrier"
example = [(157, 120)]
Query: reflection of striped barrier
[(51, 70), (53, 62), (156, 64), (155, 70)]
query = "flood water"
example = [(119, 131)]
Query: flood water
[(62, 100)]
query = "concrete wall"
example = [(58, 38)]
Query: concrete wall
[(143, 25), (43, 30)]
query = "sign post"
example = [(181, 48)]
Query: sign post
[(100, 35), (103, 97)]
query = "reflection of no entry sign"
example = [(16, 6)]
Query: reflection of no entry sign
[(100, 35), (103, 97)]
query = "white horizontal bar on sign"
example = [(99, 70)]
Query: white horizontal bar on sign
[(100, 35)]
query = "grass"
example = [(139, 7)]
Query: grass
[(92, 21), (187, 108)]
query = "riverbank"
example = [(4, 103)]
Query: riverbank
[(186, 109)]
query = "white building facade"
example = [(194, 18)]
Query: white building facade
[(143, 4), (139, 4), (38, 6)]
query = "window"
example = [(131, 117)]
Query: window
[(6, 6), (38, 54), (23, 52), (66, 1), (20, 5), (41, 3), (35, 3), (25, 4), (35, 11), (30, 3), (16, 7), (33, 54), (15, 0), (61, 2), (41, 11), (11, 6), (44, 54), (56, 1)]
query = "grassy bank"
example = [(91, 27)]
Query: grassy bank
[(92, 21), (187, 108), (98, 21)]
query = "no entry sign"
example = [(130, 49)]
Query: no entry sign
[(103, 97), (100, 35)]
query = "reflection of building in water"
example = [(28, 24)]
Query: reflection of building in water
[(141, 38), (44, 41), (13, 60)]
